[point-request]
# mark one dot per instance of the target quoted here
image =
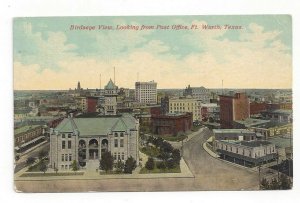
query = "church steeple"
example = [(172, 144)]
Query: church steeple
[(110, 94)]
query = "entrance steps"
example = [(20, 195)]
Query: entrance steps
[(92, 165)]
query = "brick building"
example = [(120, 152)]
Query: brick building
[(91, 104), (233, 108), (257, 107), (171, 124)]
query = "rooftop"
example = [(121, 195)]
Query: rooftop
[(97, 126), (254, 143), (232, 131), (270, 125), (25, 129), (251, 121), (110, 85)]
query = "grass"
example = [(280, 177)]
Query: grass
[(150, 151), (36, 167), (174, 138), (157, 170), (51, 174), (195, 128)]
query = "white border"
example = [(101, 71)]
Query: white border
[(17, 8)]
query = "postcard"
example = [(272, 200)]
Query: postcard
[(153, 103)]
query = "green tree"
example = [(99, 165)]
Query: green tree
[(119, 166), (130, 165), (150, 164), (75, 166), (30, 160), (106, 162), (43, 167), (264, 184), (42, 154), (161, 165), (171, 163), (176, 156), (285, 182)]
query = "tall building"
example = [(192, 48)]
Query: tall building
[(110, 101), (146, 92), (232, 108), (200, 93), (185, 105)]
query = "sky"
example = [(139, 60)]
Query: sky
[(48, 55)]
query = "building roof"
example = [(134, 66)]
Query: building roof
[(232, 131), (25, 129), (270, 125), (248, 122), (97, 126), (252, 143), (110, 85)]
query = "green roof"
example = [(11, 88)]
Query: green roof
[(96, 126), (110, 85), (25, 129)]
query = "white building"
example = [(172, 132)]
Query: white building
[(146, 92), (247, 153), (184, 105), (200, 93), (110, 101)]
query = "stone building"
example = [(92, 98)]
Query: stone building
[(146, 92), (84, 139)]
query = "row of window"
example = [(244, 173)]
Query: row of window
[(66, 167), (69, 135), (119, 156), (116, 142), (182, 104), (117, 135), (66, 157), (63, 144)]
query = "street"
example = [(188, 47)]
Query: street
[(210, 174), (21, 163)]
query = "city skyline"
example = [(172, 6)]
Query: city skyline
[(48, 55)]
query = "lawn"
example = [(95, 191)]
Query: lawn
[(51, 174), (174, 138), (157, 170), (150, 151), (36, 167)]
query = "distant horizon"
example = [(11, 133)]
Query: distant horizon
[(48, 54)]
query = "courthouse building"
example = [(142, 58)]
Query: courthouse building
[(85, 139)]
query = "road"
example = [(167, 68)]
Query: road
[(21, 163), (210, 174)]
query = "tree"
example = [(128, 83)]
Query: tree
[(285, 182), (30, 160), (43, 167), (274, 185), (170, 163), (119, 166), (42, 154), (150, 164), (75, 166), (161, 165), (176, 156), (106, 162), (264, 184), (130, 165)]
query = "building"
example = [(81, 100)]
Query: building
[(164, 105), (185, 105), (209, 111), (236, 107), (146, 92), (28, 136), (200, 93), (81, 103), (271, 129), (247, 153), (84, 139), (171, 124), (92, 103), (234, 134), (257, 107), (278, 115), (110, 101)]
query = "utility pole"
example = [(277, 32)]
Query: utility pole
[(114, 75)]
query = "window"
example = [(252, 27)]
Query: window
[(62, 166), (123, 156), (119, 157), (70, 157), (62, 157), (66, 157), (122, 135), (115, 156), (63, 144), (121, 143), (63, 136), (69, 135), (69, 144), (116, 142), (116, 134)]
